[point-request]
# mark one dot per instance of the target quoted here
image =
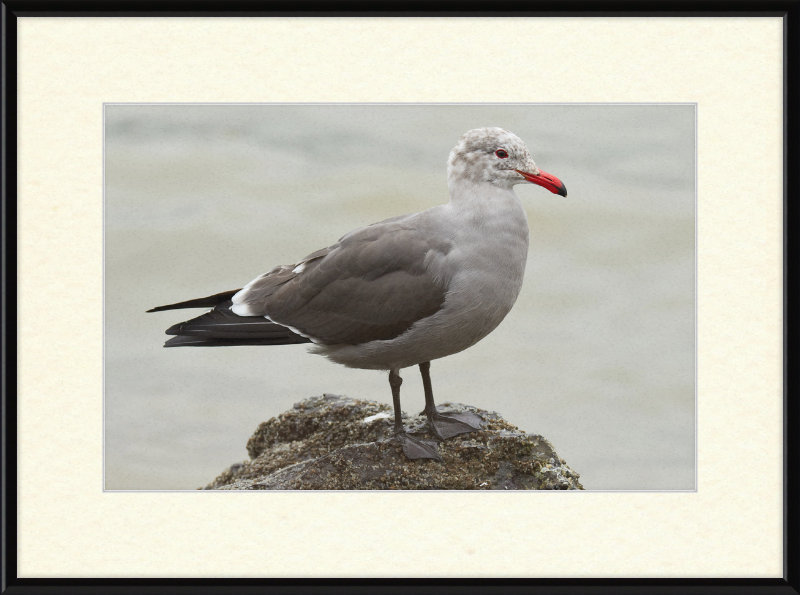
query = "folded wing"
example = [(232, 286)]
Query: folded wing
[(371, 285)]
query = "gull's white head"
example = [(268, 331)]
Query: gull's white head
[(499, 157)]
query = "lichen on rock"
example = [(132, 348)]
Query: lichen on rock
[(337, 443)]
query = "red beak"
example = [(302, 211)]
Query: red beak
[(545, 180)]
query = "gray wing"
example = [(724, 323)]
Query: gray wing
[(371, 285)]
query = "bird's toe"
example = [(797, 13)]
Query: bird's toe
[(416, 448), (452, 424)]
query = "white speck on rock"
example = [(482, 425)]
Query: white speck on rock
[(381, 415)]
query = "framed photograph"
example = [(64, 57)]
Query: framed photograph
[(640, 369)]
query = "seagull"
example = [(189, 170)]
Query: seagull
[(401, 292)]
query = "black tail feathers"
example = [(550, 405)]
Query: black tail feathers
[(206, 302), (221, 327)]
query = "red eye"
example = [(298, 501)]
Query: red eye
[(501, 153)]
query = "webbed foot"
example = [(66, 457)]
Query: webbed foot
[(416, 448), (444, 426)]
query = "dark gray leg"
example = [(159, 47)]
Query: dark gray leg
[(414, 448), (445, 426), (395, 381)]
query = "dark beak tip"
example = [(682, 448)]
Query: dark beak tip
[(562, 191)]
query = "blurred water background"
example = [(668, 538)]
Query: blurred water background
[(597, 354)]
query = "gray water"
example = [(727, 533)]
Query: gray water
[(597, 354)]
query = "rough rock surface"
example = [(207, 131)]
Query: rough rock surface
[(337, 443)]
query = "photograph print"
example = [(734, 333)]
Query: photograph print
[(399, 297)]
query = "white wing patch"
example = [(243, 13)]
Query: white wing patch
[(243, 310)]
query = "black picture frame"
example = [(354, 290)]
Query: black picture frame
[(789, 10)]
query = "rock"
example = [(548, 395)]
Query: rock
[(337, 443)]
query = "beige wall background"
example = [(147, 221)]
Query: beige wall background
[(730, 67)]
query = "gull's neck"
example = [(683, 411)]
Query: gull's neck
[(489, 226), (480, 196)]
